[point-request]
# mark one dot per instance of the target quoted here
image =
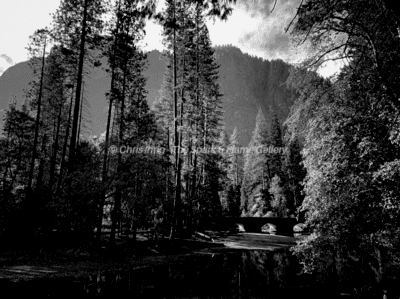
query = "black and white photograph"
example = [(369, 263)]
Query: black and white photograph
[(200, 149)]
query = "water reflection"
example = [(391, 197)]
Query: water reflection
[(220, 274)]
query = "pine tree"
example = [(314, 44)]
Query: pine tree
[(234, 174), (16, 143), (171, 27), (211, 123), (235, 156), (77, 26), (224, 166), (131, 120), (256, 170), (276, 141), (233, 201), (190, 84), (54, 113), (39, 39)]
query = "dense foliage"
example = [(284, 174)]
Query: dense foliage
[(349, 128)]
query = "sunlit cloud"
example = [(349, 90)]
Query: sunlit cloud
[(5, 62), (269, 35), (252, 27), (7, 58)]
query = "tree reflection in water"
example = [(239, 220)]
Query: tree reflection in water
[(219, 274)]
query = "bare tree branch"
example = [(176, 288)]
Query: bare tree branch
[(274, 6), (325, 53), (297, 13)]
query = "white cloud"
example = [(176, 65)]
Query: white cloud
[(251, 27), (230, 31), (18, 20), (153, 38), (330, 68)]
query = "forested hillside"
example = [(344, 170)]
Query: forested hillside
[(246, 83)]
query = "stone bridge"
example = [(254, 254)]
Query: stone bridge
[(281, 226)]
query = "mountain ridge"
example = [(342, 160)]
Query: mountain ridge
[(246, 82)]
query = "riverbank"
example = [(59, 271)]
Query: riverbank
[(185, 268), (241, 265), (78, 262)]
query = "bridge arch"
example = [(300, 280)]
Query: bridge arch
[(282, 226)]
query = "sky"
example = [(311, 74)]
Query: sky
[(252, 27)]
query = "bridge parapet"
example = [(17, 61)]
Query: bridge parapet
[(281, 226)]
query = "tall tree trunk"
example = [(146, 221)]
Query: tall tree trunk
[(167, 170), (203, 174), (179, 167), (80, 114), (181, 113), (37, 125), (55, 151), (135, 208), (194, 169), (193, 188), (105, 167), (104, 176), (64, 152), (41, 166), (118, 192), (72, 145), (177, 199)]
